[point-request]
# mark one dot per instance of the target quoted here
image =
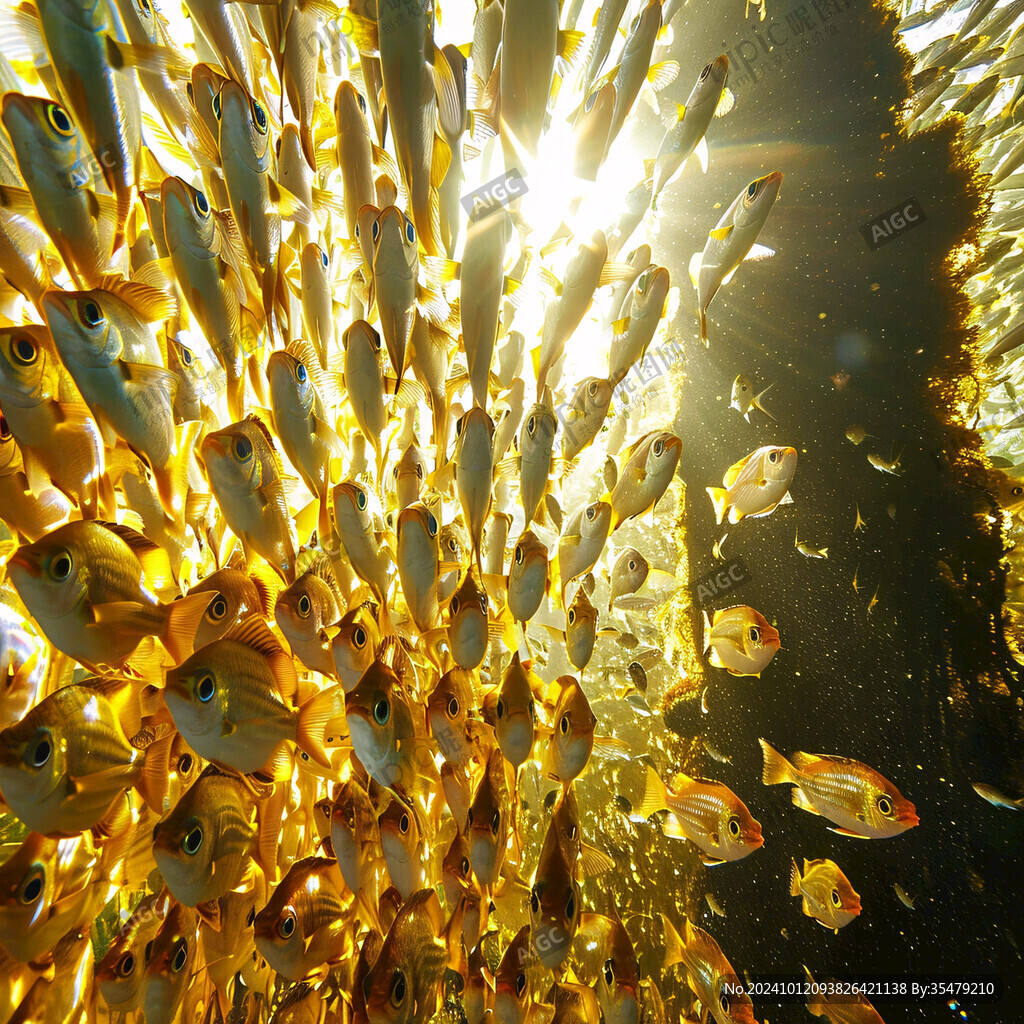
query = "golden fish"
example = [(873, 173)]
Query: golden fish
[(744, 399), (236, 596), (234, 702), (395, 267), (480, 282), (839, 1008), (707, 973), (740, 640), (707, 813), (490, 820), (861, 802), (355, 839), (618, 984), (169, 966), (353, 640), (756, 485), (634, 334), (513, 712), (468, 625), (555, 902), (317, 300), (244, 471), (827, 894), (511, 987), (24, 512), (417, 556), (120, 973), (67, 761), (648, 466), (582, 542), (527, 576), (368, 557), (628, 574), (82, 585), (448, 709), (474, 466), (403, 845), (585, 416), (997, 798), (536, 446), (305, 609)]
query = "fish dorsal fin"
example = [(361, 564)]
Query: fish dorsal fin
[(255, 633), (801, 760), (734, 471), (155, 564), (151, 303)]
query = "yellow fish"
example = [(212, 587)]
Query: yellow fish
[(756, 485), (740, 640), (827, 894)]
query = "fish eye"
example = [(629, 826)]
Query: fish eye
[(519, 554), (191, 93), (531, 425), (32, 887), (592, 388), (734, 828), (5, 430), (632, 565), (361, 500), (382, 711), (362, 102), (90, 315), (218, 608), (419, 470), (723, 1002), (304, 606), (453, 707), (707, 71), (375, 231), (773, 456), (186, 353), (534, 900), (357, 232), (1017, 491), (180, 957), (455, 605), (41, 752), (410, 232), (609, 972), (126, 965), (397, 993), (571, 833), (61, 565), (403, 824), (25, 350), (359, 637), (205, 689), (431, 524), (193, 841), (520, 984), (201, 203), (259, 117), (495, 822), (286, 924), (570, 907), (591, 512), (252, 917), (464, 865), (884, 806), (301, 373), (453, 547), (324, 259), (572, 616), (148, 951), (563, 724), (659, 447), (469, 818), (242, 449), (483, 603), (500, 710), (59, 120), (144, 4), (185, 764), (755, 634), (836, 901), (751, 190), (216, 106)]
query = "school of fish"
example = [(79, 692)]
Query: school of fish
[(302, 581)]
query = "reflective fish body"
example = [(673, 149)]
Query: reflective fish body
[(582, 541), (527, 576), (119, 974), (490, 821), (474, 465), (857, 798), (572, 740), (355, 838), (731, 241), (744, 399), (628, 574), (586, 415), (395, 266), (169, 966), (648, 466), (618, 985), (536, 449), (707, 813), (23, 511), (555, 903), (305, 609), (417, 557), (827, 894), (481, 279), (740, 640), (649, 297), (756, 485), (515, 712)]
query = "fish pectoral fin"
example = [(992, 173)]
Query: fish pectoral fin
[(228, 728), (147, 376), (711, 862), (119, 611), (594, 861), (96, 780), (850, 833), (209, 913), (720, 234)]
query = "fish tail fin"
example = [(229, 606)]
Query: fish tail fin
[(673, 942), (757, 401), (720, 499), (655, 794), (702, 315), (776, 768), (181, 623), (794, 879), (313, 718)]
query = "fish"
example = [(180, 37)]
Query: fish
[(555, 903), (856, 433), (707, 813), (714, 904), (618, 985), (169, 964), (515, 711), (234, 701), (648, 466), (528, 576), (634, 333), (854, 1007), (996, 798), (418, 557), (707, 99), (740, 640), (82, 584), (402, 844), (827, 894), (302, 930), (474, 467), (244, 470), (572, 738), (744, 399), (490, 820), (585, 416), (756, 485), (582, 541), (469, 625), (809, 550), (119, 974), (863, 803), (902, 896), (731, 241), (628, 574), (892, 467), (536, 453), (24, 512), (860, 522), (305, 609), (708, 973), (236, 596), (317, 300)]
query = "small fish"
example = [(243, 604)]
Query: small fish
[(354, 639), (234, 702), (402, 843), (119, 974), (648, 466), (852, 1008), (170, 963), (305, 609), (893, 467), (474, 467), (744, 399), (395, 267), (856, 433), (585, 415), (860, 522), (714, 904), (903, 896), (707, 970), (572, 740), (809, 550), (417, 556), (245, 474), (555, 903), (527, 576), (858, 799), (468, 621), (515, 711), (82, 583), (490, 819), (756, 485), (874, 599), (355, 839), (582, 541), (580, 630), (628, 574), (367, 555), (840, 380), (827, 894), (997, 798), (317, 300), (740, 640), (732, 241), (303, 929), (536, 446), (236, 596), (633, 335), (448, 714), (707, 813)]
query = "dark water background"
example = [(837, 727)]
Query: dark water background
[(924, 689)]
